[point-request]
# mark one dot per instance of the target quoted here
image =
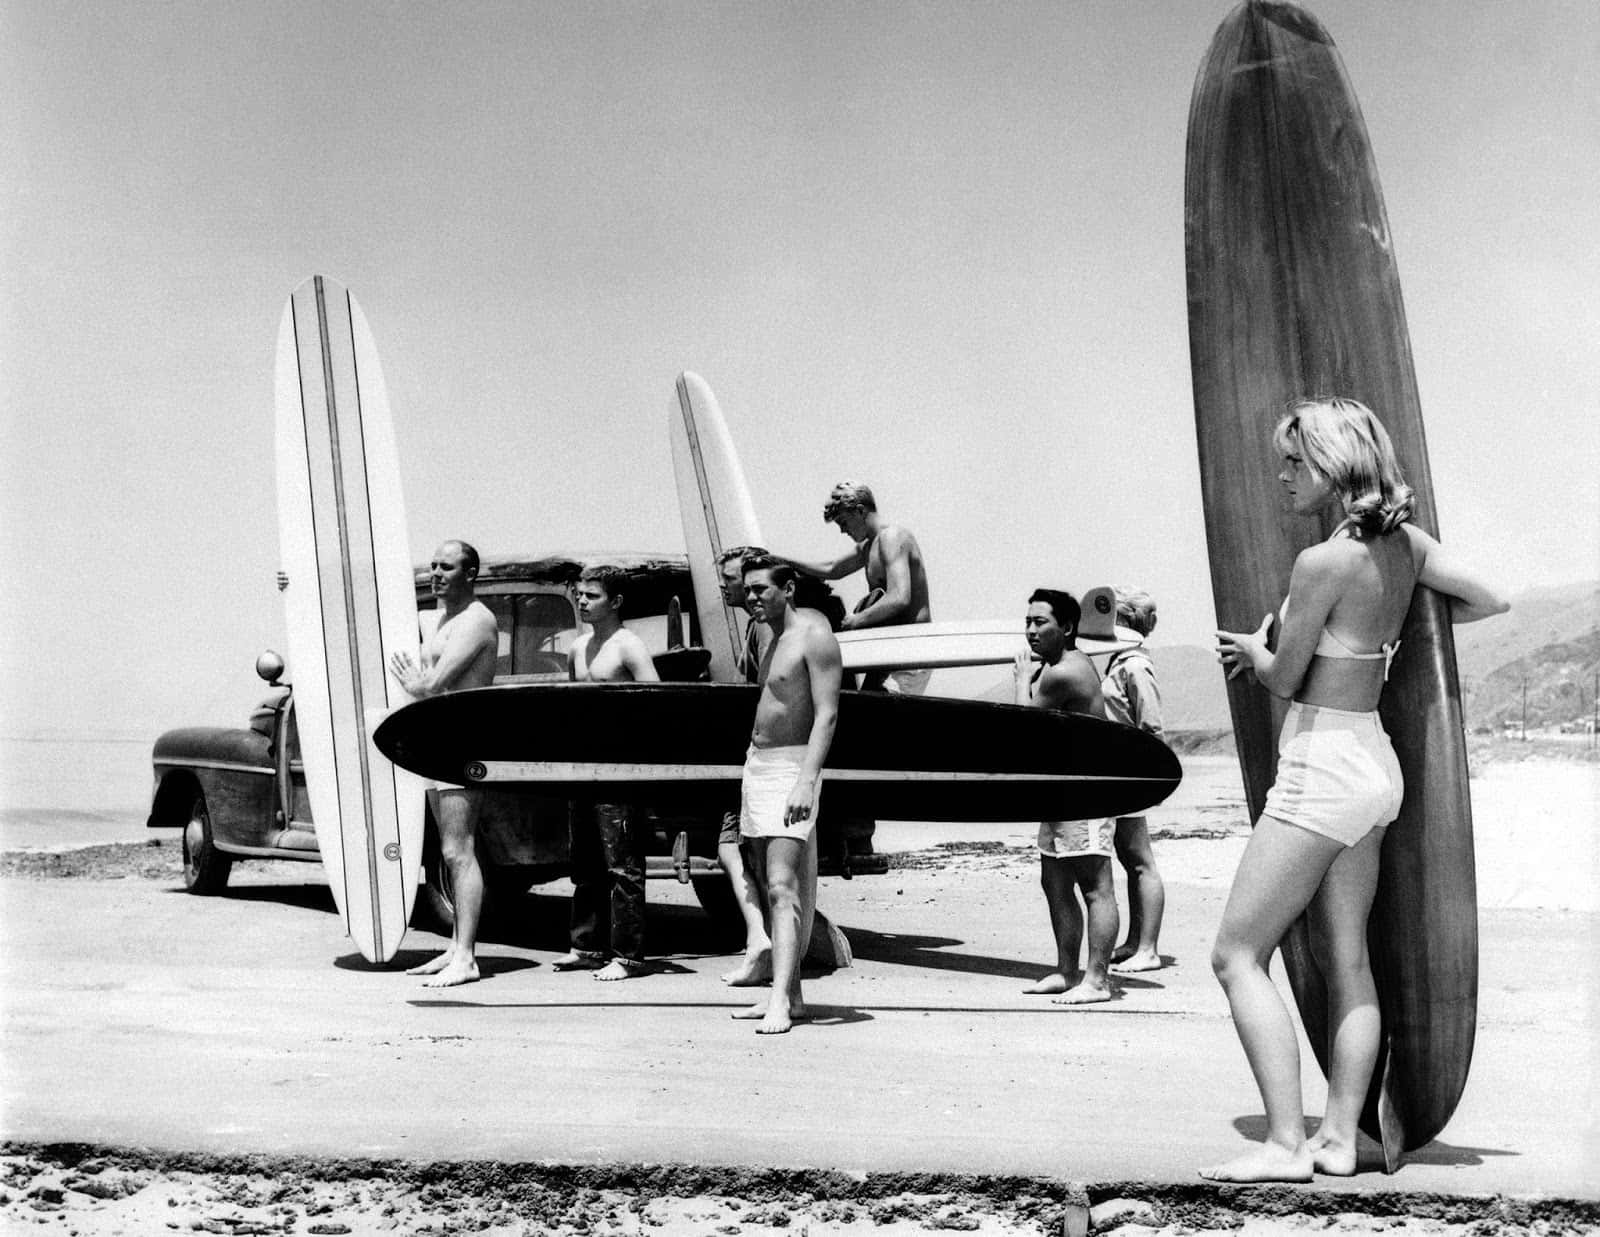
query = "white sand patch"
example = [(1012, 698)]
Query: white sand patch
[(1536, 826)]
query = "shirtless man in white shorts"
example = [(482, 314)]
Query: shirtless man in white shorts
[(460, 644), (795, 719), (1074, 855)]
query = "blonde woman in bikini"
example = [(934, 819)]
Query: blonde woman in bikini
[(1338, 785)]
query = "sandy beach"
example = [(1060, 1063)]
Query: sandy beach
[(228, 1065)]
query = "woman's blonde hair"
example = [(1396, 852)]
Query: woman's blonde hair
[(1342, 442)]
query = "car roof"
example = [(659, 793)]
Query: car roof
[(651, 578)]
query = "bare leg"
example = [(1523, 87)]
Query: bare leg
[(1280, 871), (755, 968), (1066, 925), (790, 868), (1339, 915), (1147, 898), (456, 815), (1092, 876)]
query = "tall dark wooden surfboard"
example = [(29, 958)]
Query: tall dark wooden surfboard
[(1293, 291)]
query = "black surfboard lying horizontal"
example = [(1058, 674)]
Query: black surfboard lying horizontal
[(682, 746)]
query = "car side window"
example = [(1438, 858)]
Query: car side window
[(545, 624)]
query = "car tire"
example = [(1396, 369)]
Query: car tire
[(721, 904), (205, 868)]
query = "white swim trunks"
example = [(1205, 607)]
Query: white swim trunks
[(1338, 775), (1075, 839), (769, 776)]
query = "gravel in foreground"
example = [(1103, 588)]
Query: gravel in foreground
[(92, 1192)]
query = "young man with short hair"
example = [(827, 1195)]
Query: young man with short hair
[(892, 559), (755, 968), (1074, 855), (796, 715), (608, 839)]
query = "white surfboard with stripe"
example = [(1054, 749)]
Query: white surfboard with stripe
[(717, 513), (350, 602)]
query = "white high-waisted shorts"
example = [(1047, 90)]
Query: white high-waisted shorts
[(1337, 774), (769, 776)]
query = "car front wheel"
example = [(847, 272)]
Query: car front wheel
[(205, 868)]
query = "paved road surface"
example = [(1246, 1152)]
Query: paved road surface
[(136, 1014)]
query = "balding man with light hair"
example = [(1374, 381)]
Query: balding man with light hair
[(460, 645)]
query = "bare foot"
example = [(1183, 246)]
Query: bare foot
[(577, 962), (1330, 1158), (776, 1017), (1124, 951), (434, 964), (755, 970), (454, 975), (1050, 985), (1084, 994), (1144, 960), (1268, 1162), (618, 969)]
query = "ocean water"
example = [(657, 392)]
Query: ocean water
[(73, 792), (1536, 823)]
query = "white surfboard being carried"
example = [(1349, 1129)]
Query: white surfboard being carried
[(949, 643)]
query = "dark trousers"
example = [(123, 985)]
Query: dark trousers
[(608, 844)]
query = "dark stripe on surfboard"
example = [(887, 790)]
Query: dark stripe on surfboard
[(378, 872), (352, 634), (322, 608)]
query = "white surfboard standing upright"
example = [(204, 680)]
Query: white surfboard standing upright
[(717, 513), (350, 603)]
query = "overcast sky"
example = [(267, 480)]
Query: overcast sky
[(937, 247)]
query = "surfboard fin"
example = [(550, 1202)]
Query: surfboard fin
[(1391, 1129)]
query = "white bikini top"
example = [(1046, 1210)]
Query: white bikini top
[(1329, 645)]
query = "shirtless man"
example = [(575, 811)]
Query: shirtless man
[(795, 719), (1074, 855), (460, 644), (755, 968), (608, 839), (893, 563)]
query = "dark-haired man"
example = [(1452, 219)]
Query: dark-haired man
[(796, 714), (460, 645), (608, 839), (1074, 855), (755, 967)]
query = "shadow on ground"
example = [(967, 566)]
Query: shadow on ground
[(1369, 1155)]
